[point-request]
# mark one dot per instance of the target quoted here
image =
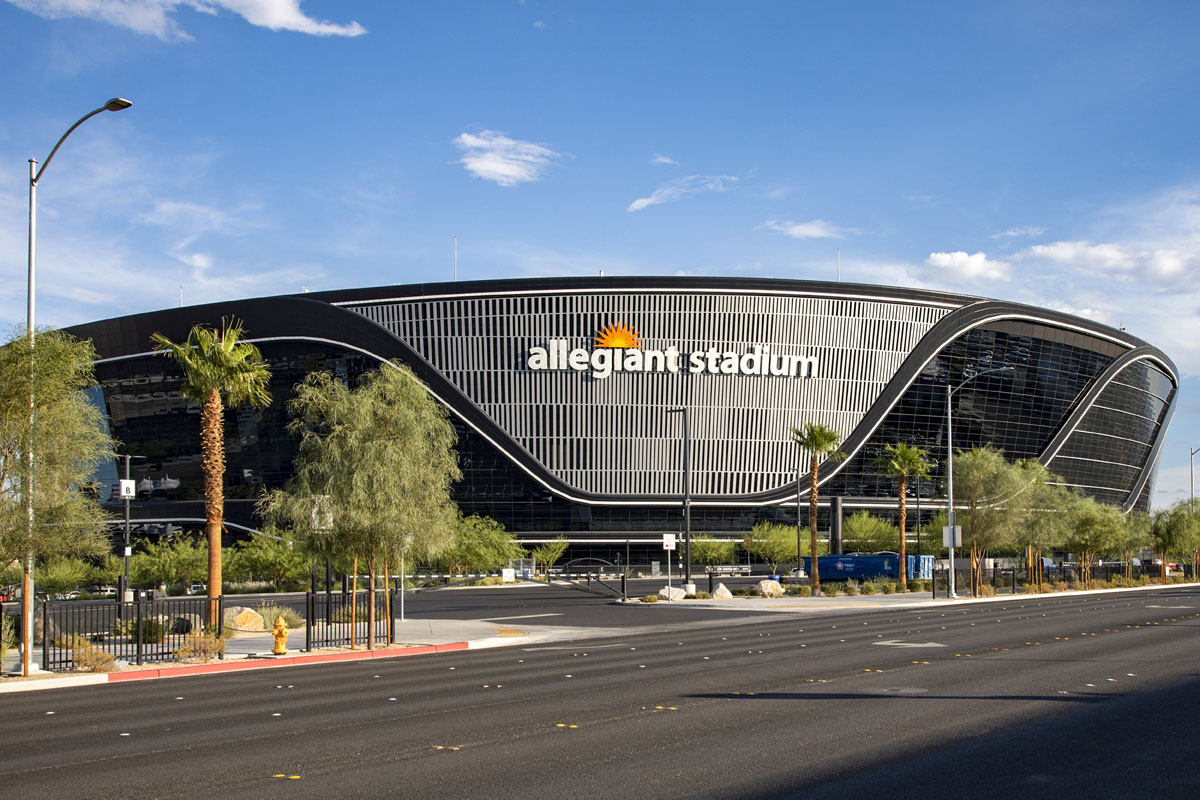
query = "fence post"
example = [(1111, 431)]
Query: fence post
[(138, 629), (45, 635), (392, 615), (308, 615), (624, 587), (221, 623)]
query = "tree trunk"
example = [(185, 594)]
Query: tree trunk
[(371, 600), (212, 463), (903, 521), (815, 571), (387, 599)]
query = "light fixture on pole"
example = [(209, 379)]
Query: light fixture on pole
[(1192, 480), (35, 175), (950, 516), (687, 496)]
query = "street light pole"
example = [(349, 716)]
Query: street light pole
[(687, 496), (950, 516), (1192, 480), (35, 175)]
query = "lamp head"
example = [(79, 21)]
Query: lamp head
[(117, 104)]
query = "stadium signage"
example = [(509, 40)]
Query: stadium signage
[(619, 349)]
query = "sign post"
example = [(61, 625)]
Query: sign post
[(668, 544)]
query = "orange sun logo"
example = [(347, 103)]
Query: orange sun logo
[(618, 335)]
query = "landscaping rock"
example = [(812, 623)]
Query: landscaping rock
[(185, 623), (721, 593), (769, 589), (240, 618), (673, 594)]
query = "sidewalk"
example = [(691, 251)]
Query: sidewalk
[(247, 651)]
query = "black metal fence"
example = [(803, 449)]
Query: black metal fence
[(1021, 580), (338, 619), (137, 632)]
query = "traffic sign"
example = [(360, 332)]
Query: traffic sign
[(668, 541)]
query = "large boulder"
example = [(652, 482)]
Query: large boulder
[(769, 588), (721, 593), (240, 618), (185, 623), (673, 593)]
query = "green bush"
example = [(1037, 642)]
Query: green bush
[(830, 589), (743, 591), (154, 629), (6, 634), (269, 612), (650, 598), (870, 588), (799, 590), (889, 588), (702, 596), (851, 588)]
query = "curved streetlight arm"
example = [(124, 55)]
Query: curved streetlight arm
[(115, 104), (977, 374)]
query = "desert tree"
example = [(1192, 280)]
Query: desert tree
[(820, 442), (902, 461)]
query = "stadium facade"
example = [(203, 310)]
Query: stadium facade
[(560, 390)]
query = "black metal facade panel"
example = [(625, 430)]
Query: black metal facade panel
[(880, 354)]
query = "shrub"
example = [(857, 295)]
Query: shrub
[(6, 634), (851, 588), (889, 588), (702, 596), (88, 657), (987, 590), (870, 588), (650, 598), (269, 612), (742, 591), (799, 590), (202, 646), (1058, 586), (154, 629), (830, 589)]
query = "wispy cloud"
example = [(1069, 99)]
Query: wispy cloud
[(1020, 232), (814, 229), (681, 187), (960, 265), (495, 157), (539, 25), (155, 17), (661, 160)]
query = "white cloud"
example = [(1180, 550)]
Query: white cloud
[(814, 229), (661, 160), (539, 25), (681, 187), (960, 265), (1022, 231), (155, 17), (1119, 261), (495, 157)]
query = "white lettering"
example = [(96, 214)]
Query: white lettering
[(673, 359), (537, 358), (696, 362), (602, 363), (633, 360), (578, 359)]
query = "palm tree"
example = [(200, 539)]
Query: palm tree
[(820, 441), (217, 363), (902, 462)]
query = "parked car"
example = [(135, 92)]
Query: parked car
[(198, 588)]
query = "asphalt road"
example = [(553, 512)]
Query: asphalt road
[(1091, 696)]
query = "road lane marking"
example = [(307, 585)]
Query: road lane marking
[(898, 643), (522, 616)]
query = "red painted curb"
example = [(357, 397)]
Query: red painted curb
[(294, 661)]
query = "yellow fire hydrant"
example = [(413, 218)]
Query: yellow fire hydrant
[(280, 633)]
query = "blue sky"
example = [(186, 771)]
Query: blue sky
[(1042, 152)]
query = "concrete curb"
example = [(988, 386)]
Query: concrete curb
[(228, 666)]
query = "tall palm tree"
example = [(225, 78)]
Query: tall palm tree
[(820, 441), (902, 462), (215, 364)]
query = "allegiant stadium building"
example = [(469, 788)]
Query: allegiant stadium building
[(561, 391)]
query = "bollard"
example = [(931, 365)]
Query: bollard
[(710, 582), (624, 593)]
